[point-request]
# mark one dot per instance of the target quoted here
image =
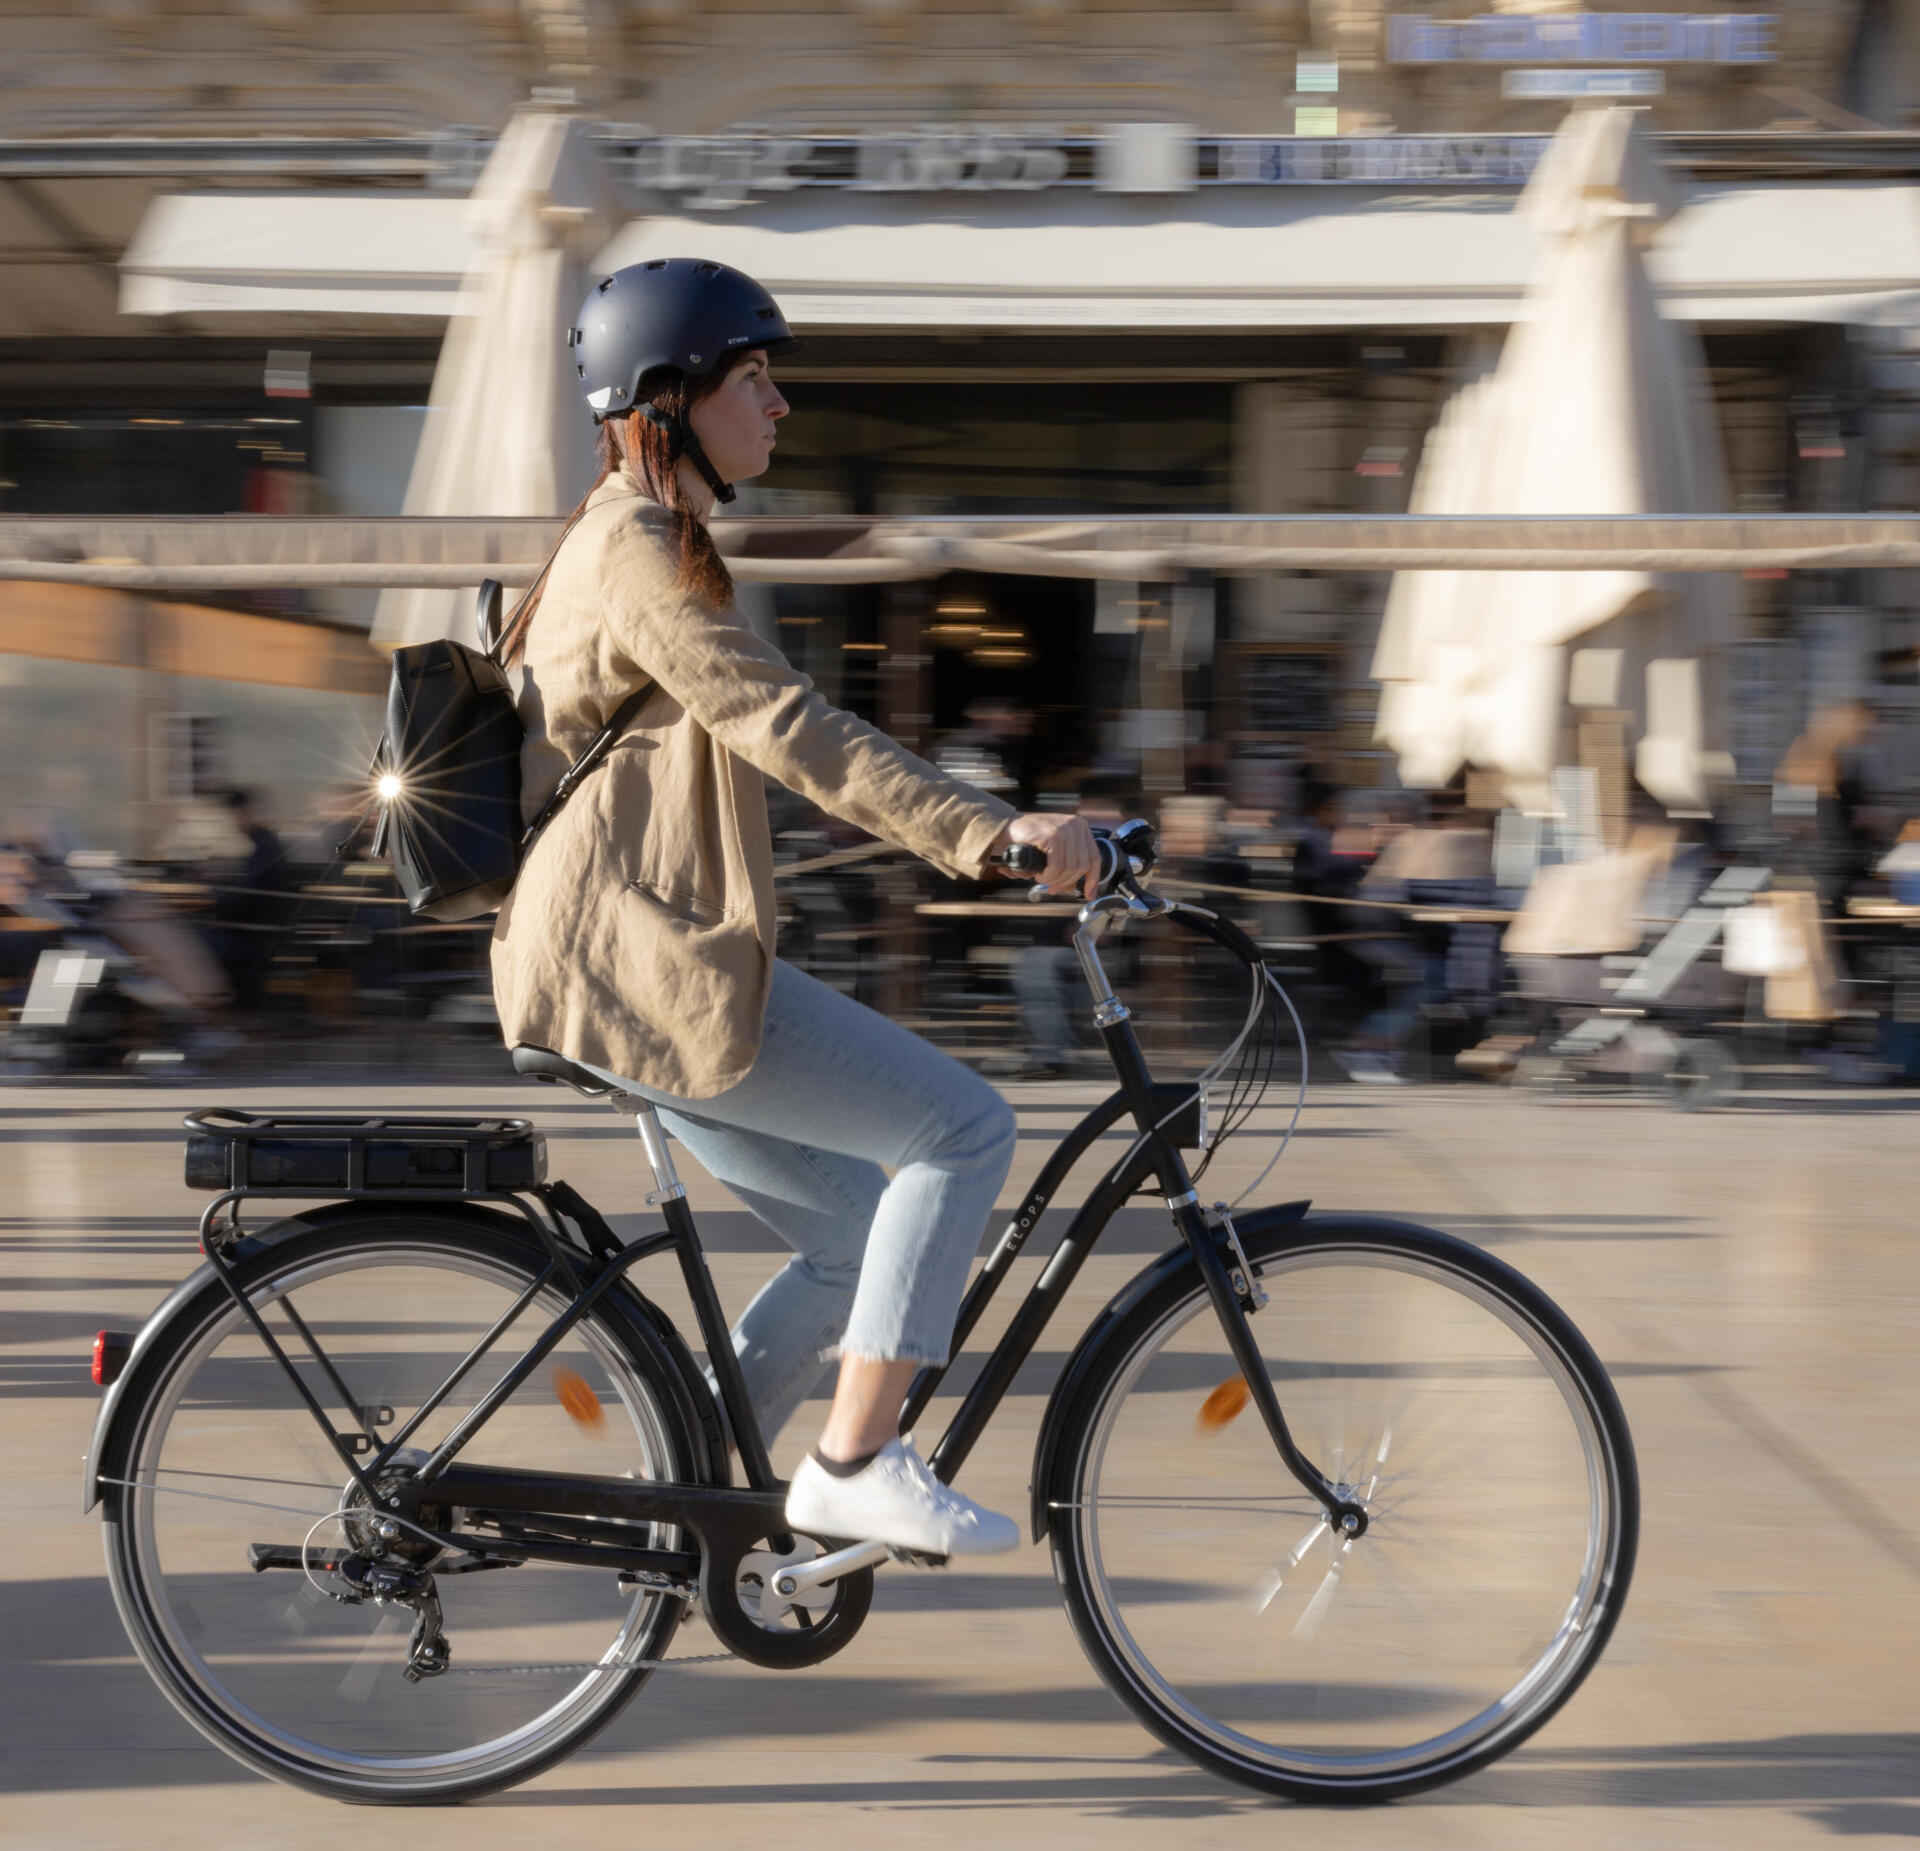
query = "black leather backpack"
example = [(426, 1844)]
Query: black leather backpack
[(447, 773)]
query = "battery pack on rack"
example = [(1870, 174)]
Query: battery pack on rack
[(306, 1154)]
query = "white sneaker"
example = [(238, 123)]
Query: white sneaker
[(895, 1499)]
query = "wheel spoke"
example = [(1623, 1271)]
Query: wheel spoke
[(1315, 1610)]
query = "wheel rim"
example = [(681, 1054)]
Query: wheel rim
[(1242, 1620), (270, 1664)]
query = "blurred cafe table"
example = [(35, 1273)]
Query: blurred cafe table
[(1884, 912)]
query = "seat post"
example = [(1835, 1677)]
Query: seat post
[(736, 1405), (669, 1187)]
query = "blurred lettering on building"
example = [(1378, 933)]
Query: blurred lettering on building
[(1584, 38)]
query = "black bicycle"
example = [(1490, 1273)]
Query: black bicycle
[(405, 1496)]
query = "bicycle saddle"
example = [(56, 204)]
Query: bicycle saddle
[(557, 1070)]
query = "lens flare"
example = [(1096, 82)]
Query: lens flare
[(388, 788)]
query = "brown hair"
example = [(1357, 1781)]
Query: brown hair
[(648, 452)]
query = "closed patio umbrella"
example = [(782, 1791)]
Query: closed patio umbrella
[(1598, 406), (507, 432)]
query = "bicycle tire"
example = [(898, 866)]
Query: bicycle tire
[(643, 1360), (1108, 1590)]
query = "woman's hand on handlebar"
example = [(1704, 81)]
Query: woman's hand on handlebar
[(1073, 861)]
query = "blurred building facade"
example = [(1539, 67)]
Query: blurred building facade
[(1058, 256)]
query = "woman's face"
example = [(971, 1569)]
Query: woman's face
[(735, 423)]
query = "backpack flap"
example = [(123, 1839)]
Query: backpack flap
[(450, 784)]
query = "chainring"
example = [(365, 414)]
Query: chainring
[(754, 1623)]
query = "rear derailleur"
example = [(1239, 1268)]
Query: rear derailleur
[(394, 1584)]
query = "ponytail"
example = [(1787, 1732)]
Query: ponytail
[(648, 452)]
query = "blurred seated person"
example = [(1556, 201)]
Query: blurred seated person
[(992, 751), (26, 929), (1327, 869), (1424, 966), (1252, 841)]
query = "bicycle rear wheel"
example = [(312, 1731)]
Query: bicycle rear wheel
[(1434, 1386), (221, 1455)]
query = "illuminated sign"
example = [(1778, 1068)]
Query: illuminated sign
[(1584, 38)]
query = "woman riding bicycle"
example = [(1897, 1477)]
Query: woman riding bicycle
[(639, 939)]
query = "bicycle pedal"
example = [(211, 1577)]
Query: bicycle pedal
[(918, 1558)]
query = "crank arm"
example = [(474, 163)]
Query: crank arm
[(790, 1583)]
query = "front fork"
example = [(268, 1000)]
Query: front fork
[(1115, 1024)]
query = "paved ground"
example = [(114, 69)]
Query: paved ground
[(1752, 1277)]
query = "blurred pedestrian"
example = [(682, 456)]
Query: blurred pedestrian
[(1831, 772), (252, 901)]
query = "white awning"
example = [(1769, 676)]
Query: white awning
[(1254, 258), (365, 253), (1299, 257), (1848, 252)]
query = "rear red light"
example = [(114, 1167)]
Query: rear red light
[(110, 1351)]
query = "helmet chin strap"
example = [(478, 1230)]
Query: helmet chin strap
[(680, 433)]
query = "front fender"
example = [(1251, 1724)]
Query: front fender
[(1118, 1308), (199, 1280)]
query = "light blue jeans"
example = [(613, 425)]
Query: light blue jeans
[(878, 1266)]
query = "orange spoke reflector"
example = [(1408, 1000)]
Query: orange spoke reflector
[(1220, 1407), (581, 1403)]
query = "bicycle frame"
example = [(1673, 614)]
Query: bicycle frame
[(604, 1521)]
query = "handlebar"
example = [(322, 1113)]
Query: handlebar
[(1127, 854)]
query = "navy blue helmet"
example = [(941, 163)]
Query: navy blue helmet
[(668, 312)]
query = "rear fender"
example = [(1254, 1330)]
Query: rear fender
[(105, 1421), (1080, 1366)]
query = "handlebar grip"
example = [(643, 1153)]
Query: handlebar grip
[(1021, 858)]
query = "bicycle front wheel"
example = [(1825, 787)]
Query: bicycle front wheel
[(228, 1505), (1434, 1386)]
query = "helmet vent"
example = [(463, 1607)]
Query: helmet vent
[(766, 314), (605, 284), (705, 269), (657, 263)]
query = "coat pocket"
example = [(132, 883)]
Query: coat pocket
[(695, 908)]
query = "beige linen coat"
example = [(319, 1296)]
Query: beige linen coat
[(639, 937)]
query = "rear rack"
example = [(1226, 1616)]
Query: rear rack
[(308, 1154)]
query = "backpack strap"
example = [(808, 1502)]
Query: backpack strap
[(521, 617), (594, 753), (585, 763)]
